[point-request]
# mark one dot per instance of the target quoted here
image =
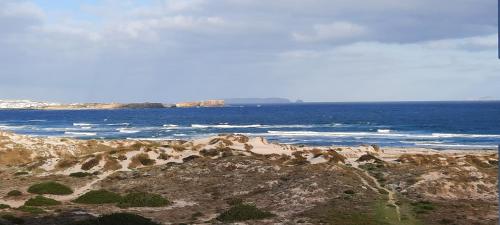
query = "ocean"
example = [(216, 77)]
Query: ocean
[(439, 125)]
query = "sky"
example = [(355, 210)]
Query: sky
[(314, 50)]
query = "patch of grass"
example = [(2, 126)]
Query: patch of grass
[(142, 199), (21, 173), (81, 174), (30, 209), (14, 193), (243, 212), (98, 197), (422, 207), (41, 201), (13, 219), (118, 219), (50, 187), (3, 206)]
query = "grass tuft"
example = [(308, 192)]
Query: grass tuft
[(81, 174), (14, 193), (243, 212), (98, 197), (41, 201), (50, 187), (142, 199), (30, 209)]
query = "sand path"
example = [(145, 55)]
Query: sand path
[(391, 199)]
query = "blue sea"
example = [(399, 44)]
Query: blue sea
[(439, 125)]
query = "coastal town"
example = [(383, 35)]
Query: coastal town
[(29, 104)]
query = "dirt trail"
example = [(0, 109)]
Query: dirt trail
[(391, 199)]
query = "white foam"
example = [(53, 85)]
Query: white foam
[(82, 124), (37, 120), (80, 133), (128, 130), (383, 131), (458, 146), (118, 124), (225, 126), (378, 134)]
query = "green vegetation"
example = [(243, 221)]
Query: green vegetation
[(50, 188), (14, 193), (41, 201), (142, 199), (80, 174), (242, 212), (3, 206), (98, 197), (30, 209), (118, 219), (21, 173), (349, 192), (13, 219), (422, 207)]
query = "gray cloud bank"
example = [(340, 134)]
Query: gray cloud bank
[(318, 50)]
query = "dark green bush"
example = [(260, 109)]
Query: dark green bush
[(349, 192), (80, 174), (422, 206), (98, 197), (13, 219), (50, 188), (242, 212), (14, 193), (30, 209), (41, 201), (3, 206), (142, 199), (118, 219)]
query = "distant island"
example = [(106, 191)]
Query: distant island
[(248, 101), (28, 104)]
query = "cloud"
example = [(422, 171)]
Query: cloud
[(332, 32), (321, 50), (152, 27), (16, 17)]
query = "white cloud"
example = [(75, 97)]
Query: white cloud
[(315, 50), (152, 27), (332, 32)]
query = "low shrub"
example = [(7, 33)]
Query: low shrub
[(21, 173), (349, 192), (50, 187), (14, 193), (118, 219), (98, 197), (142, 199), (80, 174), (13, 219), (422, 206), (243, 212), (3, 206), (41, 201), (30, 209), (91, 163)]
